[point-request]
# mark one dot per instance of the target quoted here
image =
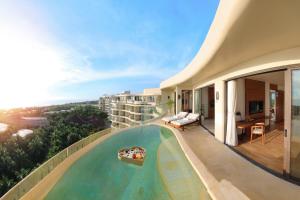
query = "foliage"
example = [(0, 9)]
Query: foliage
[(19, 156), (170, 104), (69, 106)]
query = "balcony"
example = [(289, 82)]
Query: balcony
[(137, 118)]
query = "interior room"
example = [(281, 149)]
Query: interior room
[(205, 105), (259, 118), (187, 101)]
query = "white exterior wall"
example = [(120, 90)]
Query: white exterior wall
[(220, 110), (165, 94), (178, 101)]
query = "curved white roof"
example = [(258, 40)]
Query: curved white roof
[(242, 30)]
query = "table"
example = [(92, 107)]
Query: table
[(243, 125)]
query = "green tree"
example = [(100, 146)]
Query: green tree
[(19, 156)]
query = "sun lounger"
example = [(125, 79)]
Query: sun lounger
[(169, 119), (189, 119)]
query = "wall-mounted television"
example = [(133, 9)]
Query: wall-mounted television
[(256, 107)]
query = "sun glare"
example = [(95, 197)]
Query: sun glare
[(28, 68)]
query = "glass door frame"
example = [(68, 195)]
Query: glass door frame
[(287, 121), (201, 106), (288, 125)]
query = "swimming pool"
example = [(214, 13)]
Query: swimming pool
[(165, 174)]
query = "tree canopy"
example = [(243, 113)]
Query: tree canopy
[(19, 156)]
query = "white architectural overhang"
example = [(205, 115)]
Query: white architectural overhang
[(242, 31)]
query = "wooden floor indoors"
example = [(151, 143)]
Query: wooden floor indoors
[(269, 154)]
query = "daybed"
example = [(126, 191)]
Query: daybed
[(179, 116), (189, 119)]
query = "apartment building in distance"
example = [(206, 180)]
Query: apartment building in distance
[(105, 104), (127, 109)]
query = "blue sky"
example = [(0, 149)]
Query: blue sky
[(88, 48)]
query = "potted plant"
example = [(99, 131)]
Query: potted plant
[(170, 104)]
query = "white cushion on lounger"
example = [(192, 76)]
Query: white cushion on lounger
[(175, 117), (182, 122), (187, 120), (193, 116), (183, 114), (168, 119)]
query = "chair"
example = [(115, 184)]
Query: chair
[(258, 129)]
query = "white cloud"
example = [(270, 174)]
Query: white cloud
[(29, 67), (86, 74), (32, 62)]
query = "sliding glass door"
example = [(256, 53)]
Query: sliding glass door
[(204, 104), (197, 101), (295, 124), (187, 101)]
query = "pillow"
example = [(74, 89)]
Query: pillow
[(182, 114), (193, 116)]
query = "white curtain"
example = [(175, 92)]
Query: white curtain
[(231, 133)]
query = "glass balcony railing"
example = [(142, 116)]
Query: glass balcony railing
[(43, 170)]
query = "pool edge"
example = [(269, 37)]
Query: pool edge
[(41, 190), (218, 190)]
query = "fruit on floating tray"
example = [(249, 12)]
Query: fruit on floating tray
[(135, 155)]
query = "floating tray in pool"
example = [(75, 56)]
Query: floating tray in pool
[(135, 155)]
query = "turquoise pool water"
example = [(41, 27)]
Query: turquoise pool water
[(166, 173)]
